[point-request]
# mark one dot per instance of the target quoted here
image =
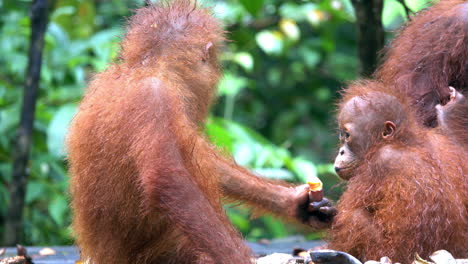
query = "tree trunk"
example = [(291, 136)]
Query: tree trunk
[(13, 221), (371, 35)]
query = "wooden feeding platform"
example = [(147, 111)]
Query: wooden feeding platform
[(69, 254)]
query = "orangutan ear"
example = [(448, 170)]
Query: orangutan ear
[(389, 130)]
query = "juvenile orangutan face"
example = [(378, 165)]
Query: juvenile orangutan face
[(361, 126)]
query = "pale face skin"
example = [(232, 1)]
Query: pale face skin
[(357, 121), (456, 100), (346, 159)]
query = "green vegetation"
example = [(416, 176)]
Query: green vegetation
[(283, 67)]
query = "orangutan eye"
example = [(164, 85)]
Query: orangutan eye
[(343, 135), (346, 135)]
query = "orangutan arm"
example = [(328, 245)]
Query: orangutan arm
[(264, 195)]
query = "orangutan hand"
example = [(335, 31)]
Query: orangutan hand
[(315, 214)]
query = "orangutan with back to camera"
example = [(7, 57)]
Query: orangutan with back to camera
[(146, 184)]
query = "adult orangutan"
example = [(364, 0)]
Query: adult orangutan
[(429, 55), (146, 185), (407, 184)]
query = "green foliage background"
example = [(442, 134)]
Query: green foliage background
[(283, 67)]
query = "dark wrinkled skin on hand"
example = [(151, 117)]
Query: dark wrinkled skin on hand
[(315, 214)]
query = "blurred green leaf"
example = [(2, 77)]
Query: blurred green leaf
[(59, 36), (34, 191), (58, 128), (245, 60), (64, 10), (292, 11), (276, 227), (277, 174), (310, 56), (253, 6), (271, 42), (392, 14), (231, 85), (9, 118), (244, 153), (417, 5), (57, 209), (238, 219), (290, 29), (304, 169), (326, 168), (70, 13)]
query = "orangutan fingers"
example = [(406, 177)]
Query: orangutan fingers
[(330, 211)]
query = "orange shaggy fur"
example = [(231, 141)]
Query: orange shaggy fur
[(146, 185), (429, 55), (408, 195)]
